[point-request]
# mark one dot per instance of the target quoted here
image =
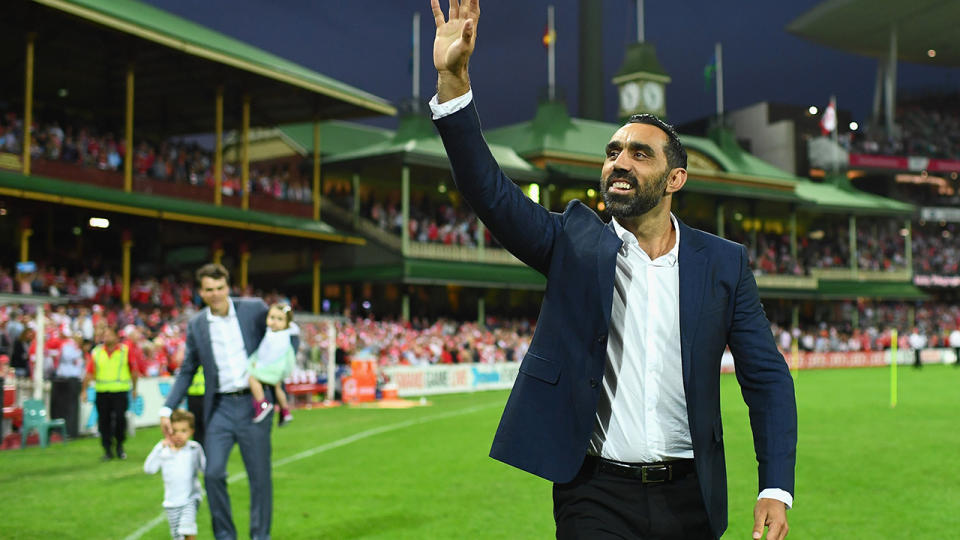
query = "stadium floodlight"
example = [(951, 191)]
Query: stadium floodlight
[(99, 222), (854, 126), (931, 53), (813, 110)]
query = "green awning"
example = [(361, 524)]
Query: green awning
[(85, 47), (39, 188), (153, 24), (828, 197), (416, 143)]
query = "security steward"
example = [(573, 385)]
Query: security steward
[(115, 376), (195, 404)]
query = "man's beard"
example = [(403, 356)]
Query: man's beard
[(646, 195)]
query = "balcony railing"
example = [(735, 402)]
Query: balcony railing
[(777, 281), (848, 274)]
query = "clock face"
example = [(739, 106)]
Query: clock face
[(652, 96), (629, 96)]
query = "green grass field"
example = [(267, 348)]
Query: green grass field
[(864, 471)]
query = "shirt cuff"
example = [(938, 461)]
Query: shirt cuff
[(449, 107), (778, 494), (165, 412)]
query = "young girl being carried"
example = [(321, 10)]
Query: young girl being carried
[(272, 362)]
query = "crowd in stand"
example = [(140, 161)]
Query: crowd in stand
[(934, 321), (936, 250), (430, 222), (156, 335), (170, 161), (932, 132)]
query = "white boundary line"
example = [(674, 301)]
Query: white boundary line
[(146, 527)]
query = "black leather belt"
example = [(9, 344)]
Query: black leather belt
[(648, 473), (240, 392)]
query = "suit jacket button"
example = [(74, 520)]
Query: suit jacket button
[(594, 383), (601, 337)]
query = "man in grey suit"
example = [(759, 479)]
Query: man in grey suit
[(221, 338)]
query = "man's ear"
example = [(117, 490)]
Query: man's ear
[(676, 180)]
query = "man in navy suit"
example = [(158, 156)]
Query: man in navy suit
[(220, 338), (618, 399)]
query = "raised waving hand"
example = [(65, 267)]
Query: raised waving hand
[(453, 45)]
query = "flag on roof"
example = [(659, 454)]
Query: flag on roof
[(828, 122), (549, 36)]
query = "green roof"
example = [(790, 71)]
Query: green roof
[(837, 195), (431, 272), (554, 133), (722, 147), (416, 143), (15, 184), (148, 22), (640, 57), (282, 90)]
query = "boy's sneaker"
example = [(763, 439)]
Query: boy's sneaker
[(261, 409), (285, 416)]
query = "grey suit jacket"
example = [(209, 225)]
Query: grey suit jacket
[(252, 316)]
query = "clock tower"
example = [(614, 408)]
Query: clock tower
[(641, 82)]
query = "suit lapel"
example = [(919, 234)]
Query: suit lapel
[(607, 267), (207, 360), (693, 276)]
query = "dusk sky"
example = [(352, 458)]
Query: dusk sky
[(368, 45)]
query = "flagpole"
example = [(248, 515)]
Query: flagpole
[(416, 56), (836, 129), (718, 52), (640, 36), (551, 56)]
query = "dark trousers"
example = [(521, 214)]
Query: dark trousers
[(601, 505), (232, 423), (65, 403), (112, 419), (195, 406)]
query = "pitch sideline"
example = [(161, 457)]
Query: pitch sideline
[(146, 527)]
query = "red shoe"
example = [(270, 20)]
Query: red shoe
[(260, 410), (285, 416)]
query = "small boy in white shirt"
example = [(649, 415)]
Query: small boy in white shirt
[(180, 459)]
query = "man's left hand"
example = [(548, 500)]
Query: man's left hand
[(772, 514)]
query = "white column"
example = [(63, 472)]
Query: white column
[(39, 358)]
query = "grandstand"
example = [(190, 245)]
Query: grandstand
[(302, 203)]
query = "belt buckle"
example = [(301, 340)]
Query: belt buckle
[(646, 477)]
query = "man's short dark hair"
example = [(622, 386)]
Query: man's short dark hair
[(674, 150), (213, 270)]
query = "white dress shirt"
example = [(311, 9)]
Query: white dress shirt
[(226, 340), (180, 467), (642, 415)]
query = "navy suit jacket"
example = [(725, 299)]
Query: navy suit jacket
[(549, 417), (252, 316)]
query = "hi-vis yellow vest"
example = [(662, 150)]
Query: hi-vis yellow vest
[(197, 387), (113, 370)]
